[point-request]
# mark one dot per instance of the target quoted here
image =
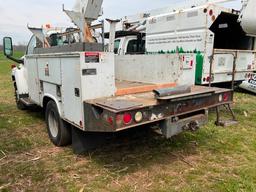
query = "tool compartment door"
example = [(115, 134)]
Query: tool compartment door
[(71, 89)]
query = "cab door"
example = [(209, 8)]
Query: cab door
[(32, 72)]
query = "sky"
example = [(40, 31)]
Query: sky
[(15, 15)]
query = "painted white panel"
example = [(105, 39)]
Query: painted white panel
[(101, 84), (245, 61), (50, 90), (71, 79), (21, 79), (156, 69), (32, 79), (223, 63), (49, 69)]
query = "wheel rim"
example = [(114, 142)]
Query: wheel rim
[(53, 124)]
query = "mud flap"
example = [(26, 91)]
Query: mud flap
[(84, 142), (174, 125)]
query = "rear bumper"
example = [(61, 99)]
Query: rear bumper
[(98, 119)]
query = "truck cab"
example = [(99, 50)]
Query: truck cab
[(128, 43)]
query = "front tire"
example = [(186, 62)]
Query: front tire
[(19, 104), (58, 130)]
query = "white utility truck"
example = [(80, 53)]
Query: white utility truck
[(222, 40), (76, 82)]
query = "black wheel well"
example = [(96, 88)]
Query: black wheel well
[(45, 101)]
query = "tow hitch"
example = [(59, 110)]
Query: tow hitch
[(176, 125)]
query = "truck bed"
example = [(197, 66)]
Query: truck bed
[(131, 101), (107, 113), (131, 87)]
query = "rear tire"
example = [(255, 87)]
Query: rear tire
[(58, 130)]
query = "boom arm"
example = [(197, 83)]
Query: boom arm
[(82, 15), (137, 22)]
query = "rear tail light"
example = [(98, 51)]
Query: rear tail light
[(13, 66), (191, 63), (138, 117), (225, 97), (220, 98), (211, 12), (81, 123), (127, 118), (110, 120)]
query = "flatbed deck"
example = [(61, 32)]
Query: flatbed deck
[(148, 99), (130, 87), (106, 112)]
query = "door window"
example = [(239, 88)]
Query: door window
[(31, 45), (116, 46)]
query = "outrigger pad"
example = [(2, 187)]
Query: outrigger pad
[(84, 142)]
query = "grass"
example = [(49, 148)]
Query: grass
[(212, 159)]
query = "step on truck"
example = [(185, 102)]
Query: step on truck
[(74, 80)]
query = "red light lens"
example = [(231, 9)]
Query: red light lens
[(127, 118), (13, 66), (225, 97), (211, 12), (110, 121), (90, 54), (191, 63)]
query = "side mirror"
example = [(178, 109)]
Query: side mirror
[(8, 48)]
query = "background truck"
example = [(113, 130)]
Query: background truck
[(222, 39), (250, 83), (70, 76)]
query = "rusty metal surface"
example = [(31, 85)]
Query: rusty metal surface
[(141, 100), (119, 104), (196, 91), (100, 118), (128, 84), (168, 92), (148, 99)]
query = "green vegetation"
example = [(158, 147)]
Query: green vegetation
[(212, 159)]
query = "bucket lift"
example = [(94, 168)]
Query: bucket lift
[(83, 14)]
